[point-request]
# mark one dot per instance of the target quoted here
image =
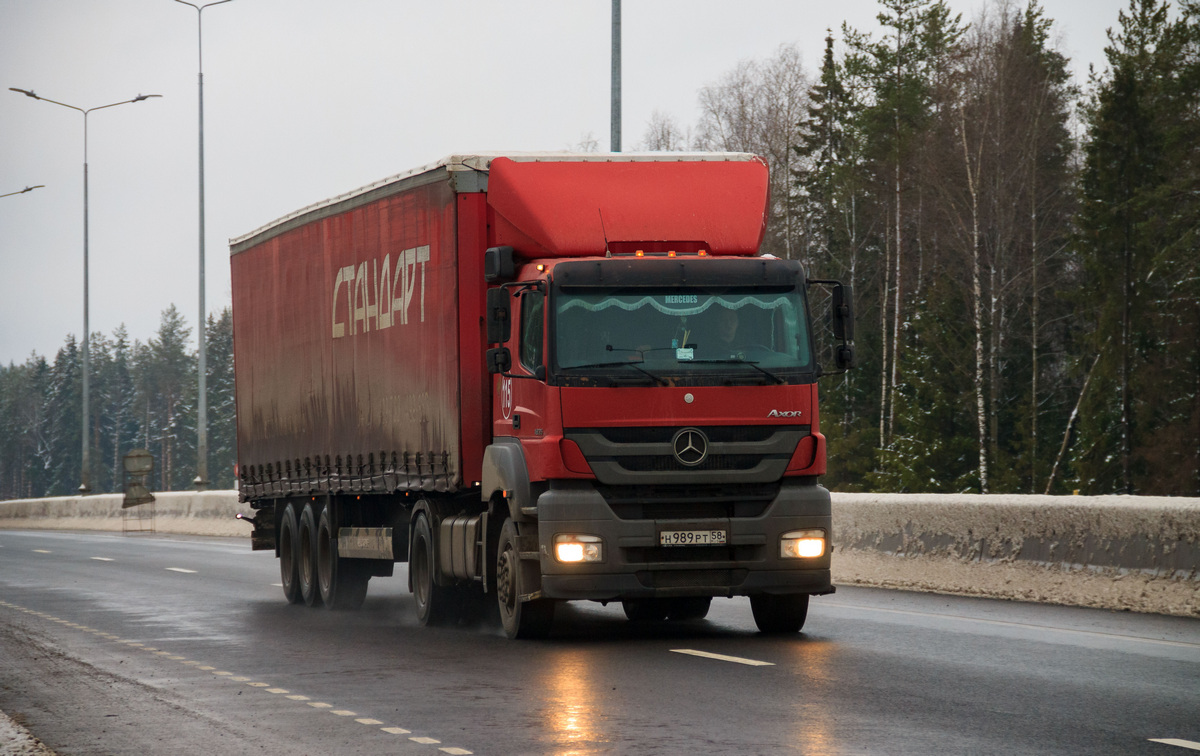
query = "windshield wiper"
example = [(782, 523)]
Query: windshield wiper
[(754, 365), (633, 365)]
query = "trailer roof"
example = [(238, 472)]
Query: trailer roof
[(461, 168)]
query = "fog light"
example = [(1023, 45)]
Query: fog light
[(802, 544), (578, 548)]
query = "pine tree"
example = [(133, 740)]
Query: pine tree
[(1138, 426)]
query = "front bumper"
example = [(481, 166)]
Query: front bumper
[(636, 566)]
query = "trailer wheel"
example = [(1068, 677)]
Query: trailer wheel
[(521, 619), (435, 604), (308, 557), (779, 614), (289, 566), (343, 582)]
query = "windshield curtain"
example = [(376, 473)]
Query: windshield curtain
[(678, 331)]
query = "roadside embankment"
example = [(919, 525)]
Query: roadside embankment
[(1132, 553)]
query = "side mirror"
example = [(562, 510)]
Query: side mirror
[(499, 318), (499, 360), (843, 356), (841, 312), (498, 264)]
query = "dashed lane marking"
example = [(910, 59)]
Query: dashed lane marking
[(424, 740), (181, 569), (1191, 744), (42, 551), (722, 657), (103, 559)]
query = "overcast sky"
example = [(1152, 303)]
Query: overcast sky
[(305, 99)]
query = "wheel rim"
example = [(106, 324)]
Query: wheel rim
[(324, 559), (505, 590), (287, 557), (420, 573)]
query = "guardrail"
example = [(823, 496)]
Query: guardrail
[(1117, 552)]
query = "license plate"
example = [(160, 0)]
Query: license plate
[(692, 537)]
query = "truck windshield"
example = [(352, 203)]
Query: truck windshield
[(684, 336)]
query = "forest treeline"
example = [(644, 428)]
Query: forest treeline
[(140, 395), (1023, 252)]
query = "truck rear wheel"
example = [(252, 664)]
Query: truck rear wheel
[(308, 557), (289, 541), (521, 619), (779, 614), (435, 604), (343, 582)]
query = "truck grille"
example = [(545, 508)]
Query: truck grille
[(645, 455)]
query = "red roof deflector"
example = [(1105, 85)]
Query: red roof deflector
[(573, 208)]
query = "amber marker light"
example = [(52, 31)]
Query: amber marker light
[(802, 544)]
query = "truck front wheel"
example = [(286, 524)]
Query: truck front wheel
[(343, 582), (289, 563), (521, 619), (779, 614)]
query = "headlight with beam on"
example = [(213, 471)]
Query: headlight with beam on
[(578, 548), (802, 544)]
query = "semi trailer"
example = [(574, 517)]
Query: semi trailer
[(538, 378)]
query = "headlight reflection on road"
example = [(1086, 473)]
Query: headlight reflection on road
[(813, 732), (571, 714)]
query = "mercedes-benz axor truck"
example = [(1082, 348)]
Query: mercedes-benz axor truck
[(538, 378)]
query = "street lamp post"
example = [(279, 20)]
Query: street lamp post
[(22, 191), (84, 475), (201, 481)]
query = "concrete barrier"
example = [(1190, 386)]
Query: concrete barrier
[(1116, 552), (210, 513), (1134, 553)]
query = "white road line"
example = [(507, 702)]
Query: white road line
[(395, 730), (103, 559), (722, 657), (368, 721), (456, 751), (425, 741), (1193, 745), (42, 551), (180, 569)]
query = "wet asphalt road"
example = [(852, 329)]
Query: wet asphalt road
[(144, 644)]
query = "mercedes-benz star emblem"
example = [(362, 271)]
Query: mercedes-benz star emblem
[(690, 446)]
